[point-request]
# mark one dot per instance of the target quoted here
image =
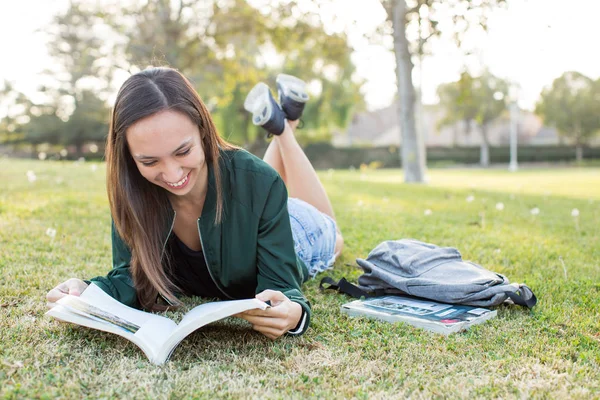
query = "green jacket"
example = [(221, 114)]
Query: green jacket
[(250, 251)]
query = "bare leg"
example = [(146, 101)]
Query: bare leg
[(302, 180), (273, 158), (286, 156)]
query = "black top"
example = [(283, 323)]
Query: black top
[(190, 274), (189, 271)]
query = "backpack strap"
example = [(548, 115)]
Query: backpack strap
[(345, 287), (523, 297)]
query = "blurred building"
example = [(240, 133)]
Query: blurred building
[(381, 128)]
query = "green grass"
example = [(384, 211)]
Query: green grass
[(552, 351)]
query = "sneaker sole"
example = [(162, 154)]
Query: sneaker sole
[(259, 104), (294, 88)]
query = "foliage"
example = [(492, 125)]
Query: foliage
[(13, 106), (480, 99), (74, 111), (88, 122), (427, 20), (413, 24), (43, 128), (571, 105), (28, 122), (458, 101), (550, 352), (226, 47)]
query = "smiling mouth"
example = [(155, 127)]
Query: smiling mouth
[(181, 183)]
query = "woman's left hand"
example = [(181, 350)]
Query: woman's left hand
[(276, 320)]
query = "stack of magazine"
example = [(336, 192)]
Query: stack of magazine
[(430, 315)]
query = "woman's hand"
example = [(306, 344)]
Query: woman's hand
[(276, 320), (73, 287)]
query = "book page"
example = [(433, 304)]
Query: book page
[(157, 336), (224, 308), (154, 329), (205, 314), (65, 313), (80, 307), (98, 298), (145, 329), (155, 333)]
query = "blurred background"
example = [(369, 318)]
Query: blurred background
[(392, 82)]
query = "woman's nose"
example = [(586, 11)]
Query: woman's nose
[(172, 173)]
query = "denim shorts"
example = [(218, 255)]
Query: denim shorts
[(314, 236)]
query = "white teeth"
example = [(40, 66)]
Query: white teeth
[(181, 182)]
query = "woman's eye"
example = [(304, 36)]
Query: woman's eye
[(148, 164), (185, 152)]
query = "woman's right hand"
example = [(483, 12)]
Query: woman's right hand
[(72, 286)]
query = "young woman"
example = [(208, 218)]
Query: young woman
[(194, 215)]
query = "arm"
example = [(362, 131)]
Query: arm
[(118, 283), (279, 271)]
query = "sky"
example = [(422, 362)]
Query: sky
[(530, 43)]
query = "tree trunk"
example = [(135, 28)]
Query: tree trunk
[(413, 157), (484, 154), (578, 152), (78, 142), (455, 135), (578, 143)]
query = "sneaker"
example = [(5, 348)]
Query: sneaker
[(264, 109), (292, 95)]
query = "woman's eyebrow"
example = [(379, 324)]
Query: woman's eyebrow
[(181, 146)]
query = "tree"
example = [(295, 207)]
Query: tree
[(43, 127), (226, 47), (12, 108), (88, 123), (479, 99), (571, 105), (491, 94), (423, 16), (77, 47), (457, 99), (27, 122)]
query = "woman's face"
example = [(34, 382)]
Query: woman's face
[(168, 152)]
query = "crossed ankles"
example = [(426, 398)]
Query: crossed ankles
[(268, 113)]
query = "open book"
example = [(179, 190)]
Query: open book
[(157, 336), (427, 314)]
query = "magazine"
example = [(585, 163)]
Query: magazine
[(156, 335), (430, 315)]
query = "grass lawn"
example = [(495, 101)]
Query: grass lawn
[(552, 351)]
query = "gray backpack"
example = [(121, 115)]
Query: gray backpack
[(411, 267)]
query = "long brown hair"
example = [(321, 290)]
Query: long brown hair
[(140, 209)]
